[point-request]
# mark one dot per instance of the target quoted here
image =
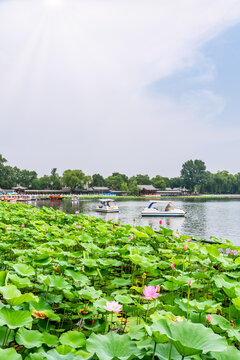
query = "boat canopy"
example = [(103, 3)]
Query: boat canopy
[(158, 202), (106, 200)]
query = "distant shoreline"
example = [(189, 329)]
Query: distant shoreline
[(150, 197)]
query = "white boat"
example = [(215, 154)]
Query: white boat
[(107, 206), (162, 208), (75, 199)]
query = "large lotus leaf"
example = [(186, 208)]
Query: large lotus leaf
[(163, 351), (230, 353), (9, 354), (109, 262), (220, 321), (234, 334), (89, 262), (29, 338), (78, 276), (58, 282), (90, 293), (111, 346), (142, 261), (121, 282), (9, 292), (236, 303), (124, 299), (4, 278), (75, 339), (3, 330), (54, 355), (24, 270), (22, 298), (190, 339), (15, 319), (213, 253), (204, 306), (50, 340), (20, 282)]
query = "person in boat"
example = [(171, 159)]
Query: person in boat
[(169, 207)]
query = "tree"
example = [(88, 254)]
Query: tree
[(142, 179), (158, 182), (74, 178), (175, 182), (55, 180), (98, 180), (133, 188), (116, 180), (193, 174)]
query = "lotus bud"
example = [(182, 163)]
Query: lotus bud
[(90, 220), (208, 318), (190, 283), (158, 288), (83, 269), (144, 276), (177, 236), (234, 252), (185, 247), (76, 212), (160, 222), (131, 237), (22, 258), (22, 225), (134, 219), (188, 240)]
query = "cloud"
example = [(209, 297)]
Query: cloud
[(77, 83)]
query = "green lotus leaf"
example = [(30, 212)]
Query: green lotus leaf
[(111, 346), (89, 262), (9, 354), (54, 355), (22, 298), (78, 276), (121, 282), (90, 293), (230, 353), (190, 339), (204, 306), (124, 299), (20, 282), (75, 339), (50, 340), (58, 282), (109, 262), (35, 356), (24, 270), (4, 278), (15, 319), (9, 292), (3, 330), (236, 303), (29, 338)]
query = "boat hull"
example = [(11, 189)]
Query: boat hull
[(107, 211), (164, 215)]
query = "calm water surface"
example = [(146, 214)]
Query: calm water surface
[(219, 218)]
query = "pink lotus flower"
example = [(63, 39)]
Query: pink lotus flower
[(160, 222), (131, 237), (90, 220), (6, 227), (208, 318), (172, 265), (234, 252), (113, 306), (185, 247), (188, 240), (74, 223), (150, 292), (22, 225), (177, 236), (22, 258), (76, 212), (78, 227)]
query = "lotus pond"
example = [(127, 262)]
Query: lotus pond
[(76, 287)]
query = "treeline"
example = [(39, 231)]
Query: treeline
[(193, 176)]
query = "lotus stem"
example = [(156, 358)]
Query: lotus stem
[(5, 336), (170, 352), (154, 350), (188, 296)]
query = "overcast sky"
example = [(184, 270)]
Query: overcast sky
[(135, 86)]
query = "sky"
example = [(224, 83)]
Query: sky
[(135, 86)]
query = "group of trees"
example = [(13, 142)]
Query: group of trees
[(193, 176)]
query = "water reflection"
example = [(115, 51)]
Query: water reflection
[(203, 219)]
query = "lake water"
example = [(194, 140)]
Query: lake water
[(204, 218)]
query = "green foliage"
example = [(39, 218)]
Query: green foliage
[(57, 288)]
